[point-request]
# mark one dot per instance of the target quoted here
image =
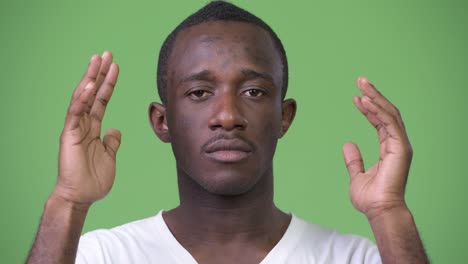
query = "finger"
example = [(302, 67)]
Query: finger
[(111, 140), (369, 90), (104, 94), (381, 100), (353, 159), (369, 115), (103, 70), (78, 107), (372, 118), (89, 76), (384, 119)]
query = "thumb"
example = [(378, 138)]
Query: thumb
[(353, 159), (112, 141)]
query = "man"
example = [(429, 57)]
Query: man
[(222, 79)]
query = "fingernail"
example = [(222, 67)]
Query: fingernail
[(105, 53), (366, 98)]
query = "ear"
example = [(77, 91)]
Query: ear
[(158, 120), (288, 112)]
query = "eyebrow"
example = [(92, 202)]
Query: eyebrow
[(203, 75), (251, 74), (207, 75)]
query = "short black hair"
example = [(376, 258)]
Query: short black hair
[(215, 11)]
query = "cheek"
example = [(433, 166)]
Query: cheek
[(272, 121), (267, 127), (183, 133), (189, 131), (183, 121)]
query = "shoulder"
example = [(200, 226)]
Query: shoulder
[(330, 246), (128, 242), (123, 233), (326, 237)]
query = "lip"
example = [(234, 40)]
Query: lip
[(228, 150), (228, 156)]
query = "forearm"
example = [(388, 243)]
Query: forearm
[(397, 237), (59, 232)]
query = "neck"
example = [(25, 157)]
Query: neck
[(203, 217)]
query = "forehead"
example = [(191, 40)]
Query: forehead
[(224, 46)]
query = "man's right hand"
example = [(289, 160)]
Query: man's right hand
[(87, 163)]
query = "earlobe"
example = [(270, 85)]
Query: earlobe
[(288, 112), (158, 121)]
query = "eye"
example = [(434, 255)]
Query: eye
[(253, 92), (198, 94)]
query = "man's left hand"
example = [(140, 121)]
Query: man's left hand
[(382, 187)]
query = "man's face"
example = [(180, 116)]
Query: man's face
[(224, 107)]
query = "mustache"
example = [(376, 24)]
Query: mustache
[(228, 137)]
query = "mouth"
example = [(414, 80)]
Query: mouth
[(228, 150), (228, 156)]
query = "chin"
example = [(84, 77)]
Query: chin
[(228, 182)]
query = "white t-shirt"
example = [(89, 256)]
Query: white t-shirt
[(150, 241)]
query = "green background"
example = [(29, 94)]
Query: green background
[(415, 52)]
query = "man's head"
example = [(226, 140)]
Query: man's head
[(215, 11), (223, 110)]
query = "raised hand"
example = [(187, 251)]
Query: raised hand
[(87, 163), (382, 186)]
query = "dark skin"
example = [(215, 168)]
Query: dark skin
[(225, 89), (223, 117)]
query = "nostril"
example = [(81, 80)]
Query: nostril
[(214, 127)]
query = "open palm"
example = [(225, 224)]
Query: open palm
[(382, 186), (87, 163)]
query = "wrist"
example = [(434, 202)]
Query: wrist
[(387, 211), (59, 202), (397, 236)]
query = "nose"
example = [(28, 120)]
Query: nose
[(226, 113)]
